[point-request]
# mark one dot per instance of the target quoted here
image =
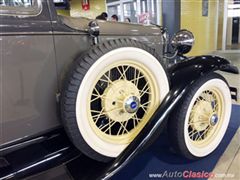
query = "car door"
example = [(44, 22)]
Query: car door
[(28, 78)]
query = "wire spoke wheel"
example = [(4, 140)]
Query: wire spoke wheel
[(205, 117), (111, 93), (121, 102), (202, 118)]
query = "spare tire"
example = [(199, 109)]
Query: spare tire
[(110, 93)]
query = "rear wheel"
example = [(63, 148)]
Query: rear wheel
[(202, 119), (110, 95)]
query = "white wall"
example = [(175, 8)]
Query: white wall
[(229, 31)]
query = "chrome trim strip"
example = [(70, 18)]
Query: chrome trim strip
[(26, 33), (69, 33), (43, 33)]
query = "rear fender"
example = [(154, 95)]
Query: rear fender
[(188, 71), (195, 67)]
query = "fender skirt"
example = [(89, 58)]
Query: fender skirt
[(182, 76)]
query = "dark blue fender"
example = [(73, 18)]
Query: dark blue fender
[(182, 76)]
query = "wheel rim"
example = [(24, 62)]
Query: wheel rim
[(121, 103), (206, 117)]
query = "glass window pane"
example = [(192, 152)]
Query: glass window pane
[(17, 3), (130, 11), (148, 11), (115, 9), (138, 11)]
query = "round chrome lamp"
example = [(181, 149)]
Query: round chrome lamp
[(182, 41)]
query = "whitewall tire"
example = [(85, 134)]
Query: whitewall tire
[(115, 89), (202, 119)]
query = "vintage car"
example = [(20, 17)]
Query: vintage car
[(112, 86)]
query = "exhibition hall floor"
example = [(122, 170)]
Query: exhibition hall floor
[(229, 164)]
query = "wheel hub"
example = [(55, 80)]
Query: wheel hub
[(121, 100), (200, 116), (131, 104)]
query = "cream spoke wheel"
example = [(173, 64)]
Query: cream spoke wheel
[(136, 120), (199, 123), (121, 102), (203, 121)]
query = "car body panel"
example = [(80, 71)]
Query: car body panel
[(112, 28), (34, 63), (29, 86), (150, 35), (29, 76)]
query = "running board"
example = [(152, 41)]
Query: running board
[(43, 153)]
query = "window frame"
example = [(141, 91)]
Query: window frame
[(34, 10)]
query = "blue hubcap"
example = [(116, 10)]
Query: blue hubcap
[(214, 120), (132, 104)]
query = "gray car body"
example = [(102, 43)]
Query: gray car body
[(36, 52)]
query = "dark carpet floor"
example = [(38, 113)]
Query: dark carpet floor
[(160, 160)]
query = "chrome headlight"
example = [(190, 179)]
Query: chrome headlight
[(182, 41)]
